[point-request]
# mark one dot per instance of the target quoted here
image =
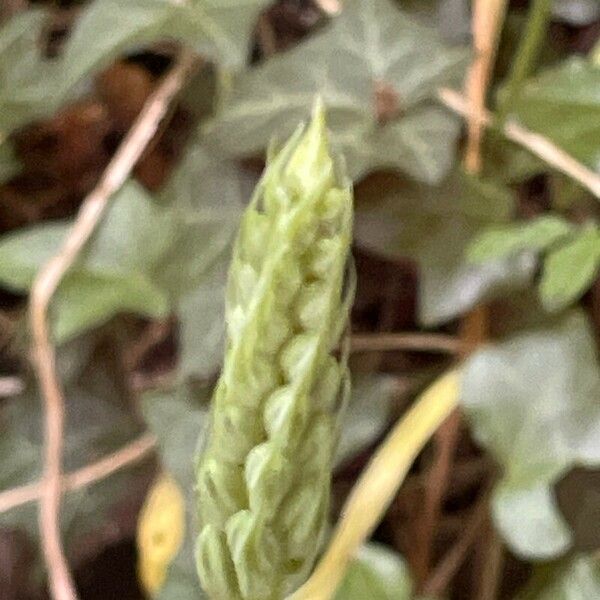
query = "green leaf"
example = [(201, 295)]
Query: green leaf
[(201, 317), (532, 402), (577, 12), (182, 581), (450, 17), (204, 197), (146, 255), (206, 193), (434, 225), (106, 28), (175, 417), (219, 29), (570, 270), (371, 50), (505, 161), (537, 235), (28, 82), (99, 420), (114, 273), (574, 579), (376, 573), (563, 104), (367, 414)]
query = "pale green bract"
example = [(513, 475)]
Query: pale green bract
[(263, 478)]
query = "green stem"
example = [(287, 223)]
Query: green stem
[(527, 54)]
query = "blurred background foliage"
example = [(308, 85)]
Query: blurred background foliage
[(138, 320)]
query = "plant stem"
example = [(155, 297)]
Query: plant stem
[(535, 143), (527, 54), (379, 484)]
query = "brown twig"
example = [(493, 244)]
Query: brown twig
[(473, 332), (488, 17), (266, 36), (123, 457), (445, 570), (9, 8), (11, 386), (409, 342), (152, 335), (446, 438), (534, 142), (44, 286), (493, 561), (329, 7), (478, 117)]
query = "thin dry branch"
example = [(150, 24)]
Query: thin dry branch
[(448, 566), (11, 386), (490, 575), (478, 117), (488, 17), (379, 483), (329, 7), (45, 284), (534, 142), (413, 342), (121, 458), (9, 8), (473, 332), (438, 477)]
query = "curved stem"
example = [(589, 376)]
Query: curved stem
[(379, 483), (45, 285)]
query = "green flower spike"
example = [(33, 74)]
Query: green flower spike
[(263, 478)]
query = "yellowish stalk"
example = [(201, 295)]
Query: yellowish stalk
[(379, 483)]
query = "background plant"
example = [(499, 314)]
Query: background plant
[(137, 319)]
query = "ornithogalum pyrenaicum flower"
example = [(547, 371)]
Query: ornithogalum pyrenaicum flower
[(265, 469)]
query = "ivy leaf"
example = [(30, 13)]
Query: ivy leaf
[(145, 256), (367, 414), (106, 28), (114, 273), (576, 12), (204, 197), (450, 17), (201, 317), (99, 420), (219, 29), (574, 579), (206, 192), (532, 402), (561, 285), (538, 234), (434, 225), (28, 81), (377, 71), (570, 270), (376, 573), (176, 417), (563, 104)]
